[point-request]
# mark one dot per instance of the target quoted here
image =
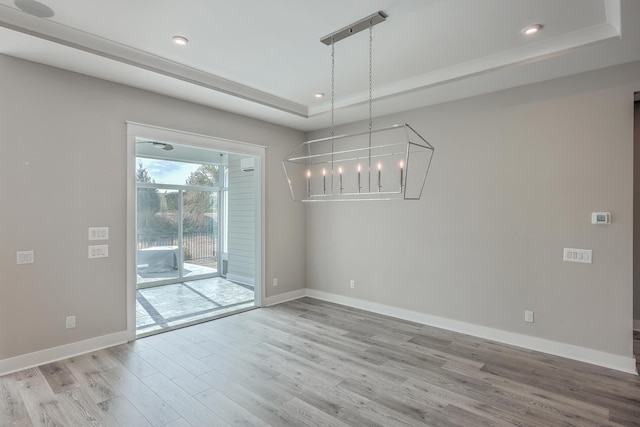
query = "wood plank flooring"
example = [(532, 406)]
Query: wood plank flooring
[(312, 363)]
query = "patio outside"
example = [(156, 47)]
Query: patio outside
[(168, 306), (159, 257)]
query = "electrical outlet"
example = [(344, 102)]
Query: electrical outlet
[(25, 257), (528, 316), (275, 281), (71, 322), (352, 283)]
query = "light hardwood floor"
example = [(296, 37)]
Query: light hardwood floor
[(310, 363)]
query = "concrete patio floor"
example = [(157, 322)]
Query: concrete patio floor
[(168, 306)]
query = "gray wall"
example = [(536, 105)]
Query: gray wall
[(242, 223), (514, 179), (636, 211), (63, 169)]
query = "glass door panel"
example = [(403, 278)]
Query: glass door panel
[(200, 232), (158, 240)]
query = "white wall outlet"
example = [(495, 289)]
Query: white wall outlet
[(25, 257), (98, 251), (352, 283), (528, 316), (98, 233), (71, 322), (275, 281), (578, 255)]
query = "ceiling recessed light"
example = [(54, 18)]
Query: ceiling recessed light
[(531, 29), (318, 95), (180, 40), (35, 8)]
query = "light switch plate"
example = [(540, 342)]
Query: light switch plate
[(25, 257), (98, 233), (98, 251), (578, 255)]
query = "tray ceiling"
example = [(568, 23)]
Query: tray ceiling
[(265, 59)]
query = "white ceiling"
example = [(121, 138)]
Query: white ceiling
[(264, 59)]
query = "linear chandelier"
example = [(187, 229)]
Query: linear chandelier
[(383, 164)]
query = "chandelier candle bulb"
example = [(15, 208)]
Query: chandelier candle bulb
[(324, 181)]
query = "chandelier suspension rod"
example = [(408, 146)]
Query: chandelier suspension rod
[(370, 93), (333, 98)]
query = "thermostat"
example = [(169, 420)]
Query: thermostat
[(601, 218)]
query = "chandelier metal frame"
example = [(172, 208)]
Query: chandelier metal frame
[(359, 166)]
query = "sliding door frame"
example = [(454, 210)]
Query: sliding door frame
[(202, 141)]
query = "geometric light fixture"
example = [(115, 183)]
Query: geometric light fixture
[(391, 163)]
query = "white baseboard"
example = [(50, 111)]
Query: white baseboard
[(582, 354), (241, 279), (49, 355), (287, 296), (636, 324), (608, 360)]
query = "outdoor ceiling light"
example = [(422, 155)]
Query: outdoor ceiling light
[(384, 164), (162, 145)]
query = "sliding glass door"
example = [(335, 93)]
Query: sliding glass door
[(195, 212), (158, 257), (178, 229), (200, 232)]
